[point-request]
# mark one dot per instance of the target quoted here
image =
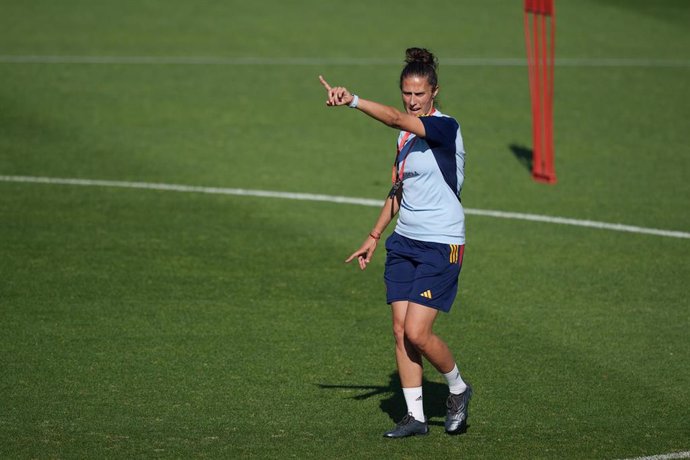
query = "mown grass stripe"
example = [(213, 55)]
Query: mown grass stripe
[(340, 200), (292, 61)]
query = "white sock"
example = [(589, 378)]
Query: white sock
[(455, 383), (415, 404)]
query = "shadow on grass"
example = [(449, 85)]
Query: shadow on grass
[(435, 395), (523, 155)]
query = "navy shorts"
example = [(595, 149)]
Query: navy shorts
[(422, 272)]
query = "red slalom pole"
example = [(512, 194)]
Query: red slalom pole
[(533, 84), (549, 95), (539, 19)]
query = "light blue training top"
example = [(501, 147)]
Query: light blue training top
[(433, 174)]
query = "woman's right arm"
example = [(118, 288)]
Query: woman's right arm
[(389, 116)]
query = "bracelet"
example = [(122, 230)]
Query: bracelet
[(371, 234), (355, 101)]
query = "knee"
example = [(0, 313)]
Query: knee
[(416, 336), (399, 334)]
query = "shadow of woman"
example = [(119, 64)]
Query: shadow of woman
[(393, 404)]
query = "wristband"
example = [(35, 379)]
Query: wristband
[(355, 101), (371, 234)]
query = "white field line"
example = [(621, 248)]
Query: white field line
[(320, 61), (337, 199), (670, 456)]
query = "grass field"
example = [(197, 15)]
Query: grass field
[(150, 323)]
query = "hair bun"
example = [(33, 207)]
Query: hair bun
[(421, 55)]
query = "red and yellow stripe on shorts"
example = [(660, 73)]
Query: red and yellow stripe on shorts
[(456, 253)]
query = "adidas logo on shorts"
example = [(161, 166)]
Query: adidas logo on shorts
[(426, 294)]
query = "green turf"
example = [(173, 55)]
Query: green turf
[(160, 324)]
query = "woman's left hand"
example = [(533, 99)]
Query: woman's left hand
[(364, 253), (338, 95)]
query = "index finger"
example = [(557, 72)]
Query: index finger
[(324, 83), (352, 256)]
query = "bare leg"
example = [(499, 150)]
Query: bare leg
[(408, 358), (419, 322)]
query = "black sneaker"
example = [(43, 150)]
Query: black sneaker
[(456, 417), (408, 426)]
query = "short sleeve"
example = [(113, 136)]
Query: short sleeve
[(440, 130)]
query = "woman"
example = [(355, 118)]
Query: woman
[(424, 254)]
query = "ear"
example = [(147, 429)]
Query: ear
[(435, 92)]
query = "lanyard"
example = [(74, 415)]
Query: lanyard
[(397, 173)]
